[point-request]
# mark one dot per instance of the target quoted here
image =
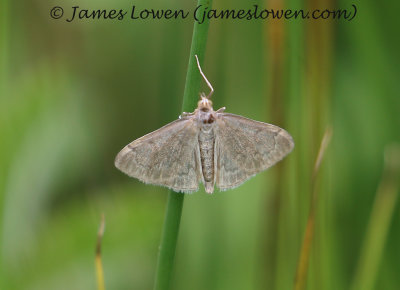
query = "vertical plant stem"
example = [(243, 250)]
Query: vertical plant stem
[(302, 267), (316, 111), (379, 223), (173, 212), (4, 56), (4, 19), (98, 263), (274, 43)]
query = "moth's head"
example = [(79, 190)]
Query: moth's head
[(204, 104)]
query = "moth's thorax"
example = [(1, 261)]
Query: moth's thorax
[(205, 114)]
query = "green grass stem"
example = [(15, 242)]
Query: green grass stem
[(381, 217), (165, 263)]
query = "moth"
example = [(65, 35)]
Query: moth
[(212, 147)]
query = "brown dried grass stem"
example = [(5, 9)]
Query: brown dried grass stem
[(302, 266)]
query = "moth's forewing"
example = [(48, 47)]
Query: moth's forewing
[(167, 157), (245, 147)]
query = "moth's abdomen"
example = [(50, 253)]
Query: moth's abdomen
[(206, 144)]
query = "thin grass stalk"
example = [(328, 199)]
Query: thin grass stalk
[(319, 40), (295, 76), (98, 263), (291, 52), (302, 267), (381, 216), (274, 42), (4, 56), (166, 255), (4, 28)]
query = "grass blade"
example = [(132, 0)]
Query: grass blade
[(302, 266), (99, 265), (173, 213), (379, 223)]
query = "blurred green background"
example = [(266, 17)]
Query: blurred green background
[(73, 94)]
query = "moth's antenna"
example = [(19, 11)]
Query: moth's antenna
[(204, 77)]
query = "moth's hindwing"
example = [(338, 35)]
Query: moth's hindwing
[(246, 147), (168, 157)]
